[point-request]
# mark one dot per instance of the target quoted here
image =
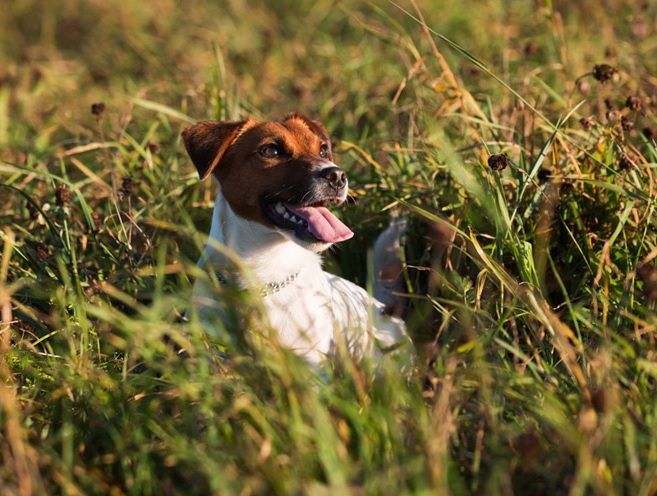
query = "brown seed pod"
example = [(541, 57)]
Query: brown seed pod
[(33, 210), (587, 122), (647, 273), (604, 72), (126, 186), (627, 123), (498, 161), (530, 47), (153, 147), (626, 162), (650, 133), (633, 103), (62, 196), (543, 175), (96, 220), (98, 109), (42, 251)]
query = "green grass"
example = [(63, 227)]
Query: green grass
[(533, 288)]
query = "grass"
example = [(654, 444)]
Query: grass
[(532, 287)]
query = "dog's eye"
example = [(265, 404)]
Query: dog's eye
[(270, 151), (324, 151)]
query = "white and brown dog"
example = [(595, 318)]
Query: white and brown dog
[(275, 182)]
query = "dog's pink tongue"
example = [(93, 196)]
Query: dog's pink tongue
[(322, 223)]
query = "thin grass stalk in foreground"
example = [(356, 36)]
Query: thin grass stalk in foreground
[(18, 453)]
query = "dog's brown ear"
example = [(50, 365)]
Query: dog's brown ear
[(206, 142)]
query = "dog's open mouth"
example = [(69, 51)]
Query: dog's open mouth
[(309, 221)]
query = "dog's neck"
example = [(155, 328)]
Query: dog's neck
[(269, 255)]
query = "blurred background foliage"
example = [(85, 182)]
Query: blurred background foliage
[(517, 135)]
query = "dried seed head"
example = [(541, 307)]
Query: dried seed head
[(33, 210), (126, 186), (96, 220), (604, 72), (530, 47), (633, 103), (98, 109), (543, 175), (153, 147), (648, 275), (42, 251), (509, 191), (566, 186), (627, 123), (498, 161), (627, 162), (62, 196), (587, 122), (610, 104), (650, 133)]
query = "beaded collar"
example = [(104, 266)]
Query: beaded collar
[(274, 287), (269, 288)]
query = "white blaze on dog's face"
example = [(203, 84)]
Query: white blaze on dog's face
[(279, 174)]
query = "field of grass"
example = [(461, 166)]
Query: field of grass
[(518, 136)]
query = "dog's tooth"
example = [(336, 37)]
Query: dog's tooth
[(294, 219), (280, 209), (286, 215)]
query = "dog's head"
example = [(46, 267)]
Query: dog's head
[(279, 174)]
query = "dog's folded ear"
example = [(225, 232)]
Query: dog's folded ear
[(206, 142)]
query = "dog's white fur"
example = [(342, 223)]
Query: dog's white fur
[(312, 315)]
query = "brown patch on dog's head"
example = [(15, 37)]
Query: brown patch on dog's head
[(315, 127), (206, 142)]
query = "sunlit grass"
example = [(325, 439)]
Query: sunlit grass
[(530, 275)]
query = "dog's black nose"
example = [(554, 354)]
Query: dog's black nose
[(335, 176)]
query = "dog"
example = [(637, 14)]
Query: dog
[(276, 181)]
